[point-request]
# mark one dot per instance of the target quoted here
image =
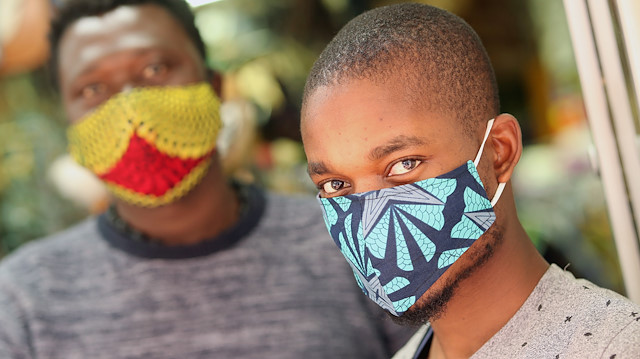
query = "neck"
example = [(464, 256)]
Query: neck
[(210, 208), (484, 302)]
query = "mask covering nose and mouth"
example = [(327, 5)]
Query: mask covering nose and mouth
[(400, 240), (152, 145)]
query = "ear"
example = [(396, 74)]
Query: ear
[(215, 79), (506, 139)]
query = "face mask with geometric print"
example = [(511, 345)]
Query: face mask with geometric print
[(150, 145), (400, 240)]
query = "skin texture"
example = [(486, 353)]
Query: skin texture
[(137, 46), (361, 136)]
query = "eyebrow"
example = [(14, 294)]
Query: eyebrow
[(317, 168), (395, 144), (97, 64)]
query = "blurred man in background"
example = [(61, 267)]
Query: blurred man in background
[(186, 263), (412, 158)]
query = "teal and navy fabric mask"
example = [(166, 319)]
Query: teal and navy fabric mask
[(400, 240)]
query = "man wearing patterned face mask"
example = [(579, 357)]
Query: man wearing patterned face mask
[(185, 264), (405, 142)]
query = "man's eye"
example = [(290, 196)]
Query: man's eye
[(153, 70), (93, 90), (403, 167), (333, 186)]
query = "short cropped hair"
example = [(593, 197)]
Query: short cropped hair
[(73, 10), (439, 58)]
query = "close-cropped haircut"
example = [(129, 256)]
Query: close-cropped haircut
[(73, 10), (437, 57)]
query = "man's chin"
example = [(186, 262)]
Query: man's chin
[(429, 307), (432, 305)]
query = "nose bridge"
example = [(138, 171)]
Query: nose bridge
[(123, 81), (370, 183), (127, 86)]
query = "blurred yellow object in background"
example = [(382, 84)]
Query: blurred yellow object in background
[(23, 35)]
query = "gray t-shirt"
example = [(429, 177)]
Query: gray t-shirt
[(273, 286), (563, 317)]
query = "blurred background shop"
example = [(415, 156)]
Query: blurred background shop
[(265, 48)]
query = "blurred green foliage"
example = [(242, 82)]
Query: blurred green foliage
[(31, 137)]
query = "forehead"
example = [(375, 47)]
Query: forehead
[(92, 38), (347, 121), (370, 110)]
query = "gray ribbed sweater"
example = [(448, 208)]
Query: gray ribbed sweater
[(274, 286)]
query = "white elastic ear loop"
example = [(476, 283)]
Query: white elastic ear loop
[(501, 186), (484, 140), (496, 196)]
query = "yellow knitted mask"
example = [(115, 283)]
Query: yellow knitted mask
[(150, 145)]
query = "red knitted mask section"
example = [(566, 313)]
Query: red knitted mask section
[(144, 169)]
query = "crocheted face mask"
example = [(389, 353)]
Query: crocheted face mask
[(400, 240), (150, 145)]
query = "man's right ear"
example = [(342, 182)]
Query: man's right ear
[(215, 80)]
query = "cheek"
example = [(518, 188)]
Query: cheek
[(180, 78), (487, 174), (75, 110), (185, 73)]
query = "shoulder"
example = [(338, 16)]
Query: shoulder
[(565, 317), (297, 211), (293, 227), (585, 319), (589, 301), (67, 246), (608, 324), (294, 202), (599, 314), (625, 342)]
